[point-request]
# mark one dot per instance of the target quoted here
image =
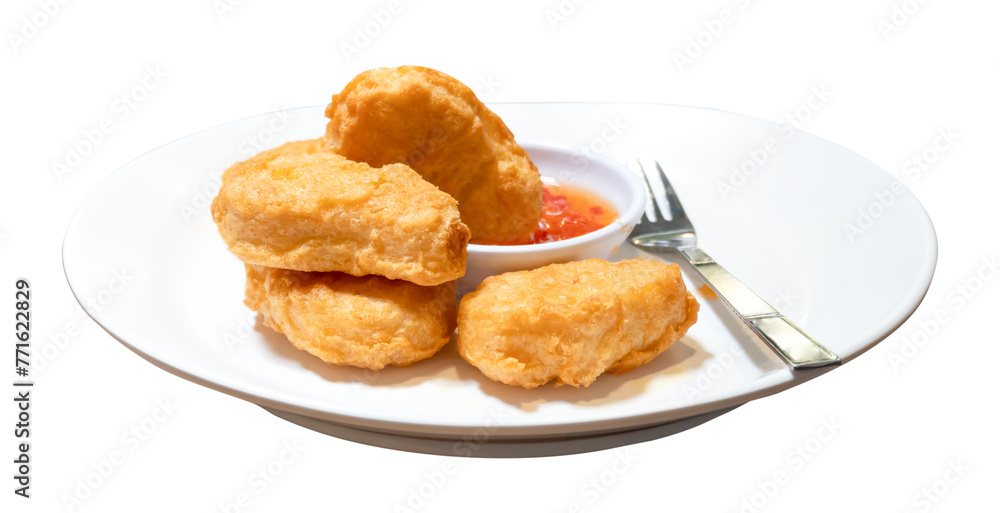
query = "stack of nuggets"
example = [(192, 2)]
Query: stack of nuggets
[(351, 244), (353, 264), (352, 207)]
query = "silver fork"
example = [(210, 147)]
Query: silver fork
[(797, 348)]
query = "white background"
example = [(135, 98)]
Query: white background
[(902, 428)]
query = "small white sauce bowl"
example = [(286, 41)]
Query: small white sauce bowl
[(609, 180)]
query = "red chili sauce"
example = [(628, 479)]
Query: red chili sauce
[(569, 212)]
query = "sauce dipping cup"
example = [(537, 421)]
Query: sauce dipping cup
[(609, 180)]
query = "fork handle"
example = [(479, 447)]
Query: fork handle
[(788, 340)]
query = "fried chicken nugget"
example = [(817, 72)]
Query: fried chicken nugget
[(571, 322), (367, 321), (436, 125), (302, 207)]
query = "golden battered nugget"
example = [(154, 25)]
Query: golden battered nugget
[(302, 207), (437, 126), (367, 322), (571, 322)]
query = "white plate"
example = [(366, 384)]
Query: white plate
[(781, 232)]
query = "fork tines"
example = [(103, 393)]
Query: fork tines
[(658, 190)]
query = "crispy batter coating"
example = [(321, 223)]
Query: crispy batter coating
[(571, 322), (367, 321), (302, 207), (437, 126)]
